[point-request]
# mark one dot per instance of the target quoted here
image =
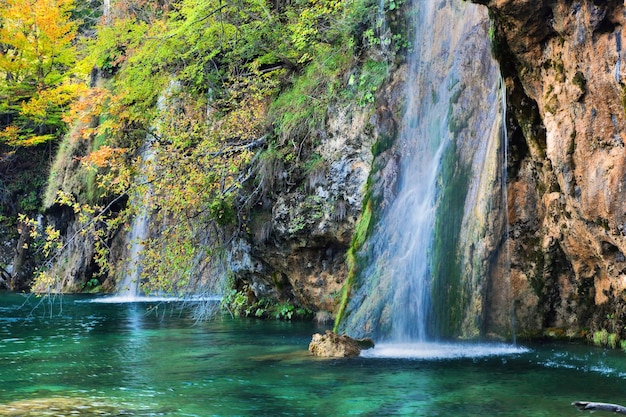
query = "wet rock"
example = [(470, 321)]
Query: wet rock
[(332, 345), (566, 195)]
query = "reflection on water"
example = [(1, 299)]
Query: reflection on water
[(152, 359)]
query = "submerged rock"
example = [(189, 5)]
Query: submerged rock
[(74, 406), (60, 406), (332, 345)]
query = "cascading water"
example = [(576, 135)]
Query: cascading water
[(129, 286), (505, 199), (422, 269), (106, 11)]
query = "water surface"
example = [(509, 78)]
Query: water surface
[(71, 357)]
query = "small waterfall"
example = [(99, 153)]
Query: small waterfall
[(106, 11), (129, 286), (422, 268), (505, 199)]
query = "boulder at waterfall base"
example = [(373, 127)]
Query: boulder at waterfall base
[(332, 345)]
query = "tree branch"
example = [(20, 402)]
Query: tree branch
[(99, 215), (591, 406)]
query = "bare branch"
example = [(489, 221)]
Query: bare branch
[(591, 406), (229, 150)]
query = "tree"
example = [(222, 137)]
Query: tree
[(36, 58)]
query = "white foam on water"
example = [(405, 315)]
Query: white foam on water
[(438, 351)]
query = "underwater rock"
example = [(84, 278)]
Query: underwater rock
[(332, 345), (75, 406), (60, 406)]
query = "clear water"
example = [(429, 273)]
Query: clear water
[(142, 359)]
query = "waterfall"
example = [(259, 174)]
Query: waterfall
[(129, 285), (422, 269), (106, 12), (505, 200)]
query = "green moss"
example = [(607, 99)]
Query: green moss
[(552, 105), (559, 68), (580, 81), (449, 302), (571, 148), (363, 229), (382, 144), (496, 38)]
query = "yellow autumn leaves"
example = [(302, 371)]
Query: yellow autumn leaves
[(36, 56)]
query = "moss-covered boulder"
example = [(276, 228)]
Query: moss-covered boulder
[(332, 345)]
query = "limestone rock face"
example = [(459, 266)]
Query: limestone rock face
[(563, 62), (300, 234), (332, 345)]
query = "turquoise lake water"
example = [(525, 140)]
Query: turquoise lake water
[(71, 357)]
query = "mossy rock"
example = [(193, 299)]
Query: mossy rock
[(332, 345)]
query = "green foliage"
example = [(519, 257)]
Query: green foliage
[(92, 286), (239, 304), (222, 211), (20, 189), (300, 112), (36, 64), (235, 302), (373, 73), (603, 338), (209, 83)]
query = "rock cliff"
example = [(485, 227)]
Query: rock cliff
[(563, 65), (299, 236), (564, 69)]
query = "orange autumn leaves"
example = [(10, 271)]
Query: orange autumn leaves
[(37, 55)]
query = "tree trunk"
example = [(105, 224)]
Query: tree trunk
[(18, 278)]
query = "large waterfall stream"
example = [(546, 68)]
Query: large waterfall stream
[(424, 266)]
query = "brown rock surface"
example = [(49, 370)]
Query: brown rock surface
[(563, 62), (332, 345)]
